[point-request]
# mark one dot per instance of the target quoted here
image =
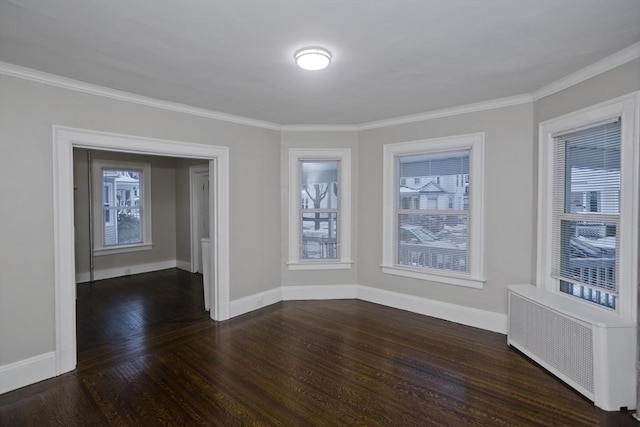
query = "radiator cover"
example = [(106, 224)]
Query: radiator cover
[(594, 356)]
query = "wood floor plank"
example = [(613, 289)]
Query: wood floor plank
[(148, 354)]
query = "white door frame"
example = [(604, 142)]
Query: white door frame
[(193, 210), (64, 140)]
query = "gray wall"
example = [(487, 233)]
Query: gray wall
[(27, 112), (163, 210), (257, 167), (612, 84), (508, 204), (324, 139)]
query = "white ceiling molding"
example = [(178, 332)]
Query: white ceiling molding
[(610, 62), (626, 55), (319, 128), (66, 83), (453, 111)]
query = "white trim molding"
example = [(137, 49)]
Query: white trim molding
[(628, 109), (610, 62), (477, 318), (483, 319), (126, 270), (80, 86), (41, 367), (27, 371), (319, 292), (64, 139), (343, 156), (144, 169), (448, 112), (183, 265), (390, 181), (193, 214), (620, 58), (247, 304)]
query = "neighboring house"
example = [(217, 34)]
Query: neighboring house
[(121, 189)]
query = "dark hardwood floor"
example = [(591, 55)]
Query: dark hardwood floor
[(149, 355)]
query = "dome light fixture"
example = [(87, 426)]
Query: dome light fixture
[(313, 58)]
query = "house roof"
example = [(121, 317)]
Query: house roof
[(432, 187), (390, 58)]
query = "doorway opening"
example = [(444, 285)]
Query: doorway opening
[(199, 200), (64, 140)]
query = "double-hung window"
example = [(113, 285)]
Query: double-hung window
[(319, 209), (433, 191), (588, 219), (121, 207)]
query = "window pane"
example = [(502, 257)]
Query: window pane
[(588, 260), (433, 241), (592, 171), (319, 184), (319, 235), (122, 206), (588, 184), (435, 181), (127, 228)]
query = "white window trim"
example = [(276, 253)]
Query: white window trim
[(626, 107), (474, 143), (343, 155), (99, 248)]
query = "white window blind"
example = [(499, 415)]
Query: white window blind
[(586, 212), (433, 213)]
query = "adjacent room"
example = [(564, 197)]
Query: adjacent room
[(319, 213)]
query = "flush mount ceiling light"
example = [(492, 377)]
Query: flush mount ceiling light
[(313, 58)]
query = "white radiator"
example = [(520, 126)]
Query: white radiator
[(594, 353)]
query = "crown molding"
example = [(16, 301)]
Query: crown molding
[(319, 128), (622, 57), (79, 86), (453, 111), (610, 62)]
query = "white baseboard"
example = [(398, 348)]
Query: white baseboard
[(317, 292), (487, 320), (183, 265), (254, 302), (38, 368), (126, 270), (27, 371)]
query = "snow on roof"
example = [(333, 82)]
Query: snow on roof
[(404, 189), (432, 187)]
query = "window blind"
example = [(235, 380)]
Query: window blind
[(586, 212), (432, 211)]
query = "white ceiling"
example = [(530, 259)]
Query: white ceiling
[(390, 57)]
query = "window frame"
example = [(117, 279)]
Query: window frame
[(343, 157), (626, 108), (97, 166), (475, 243)]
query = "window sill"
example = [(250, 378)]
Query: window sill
[(447, 278), (122, 249), (320, 265)]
